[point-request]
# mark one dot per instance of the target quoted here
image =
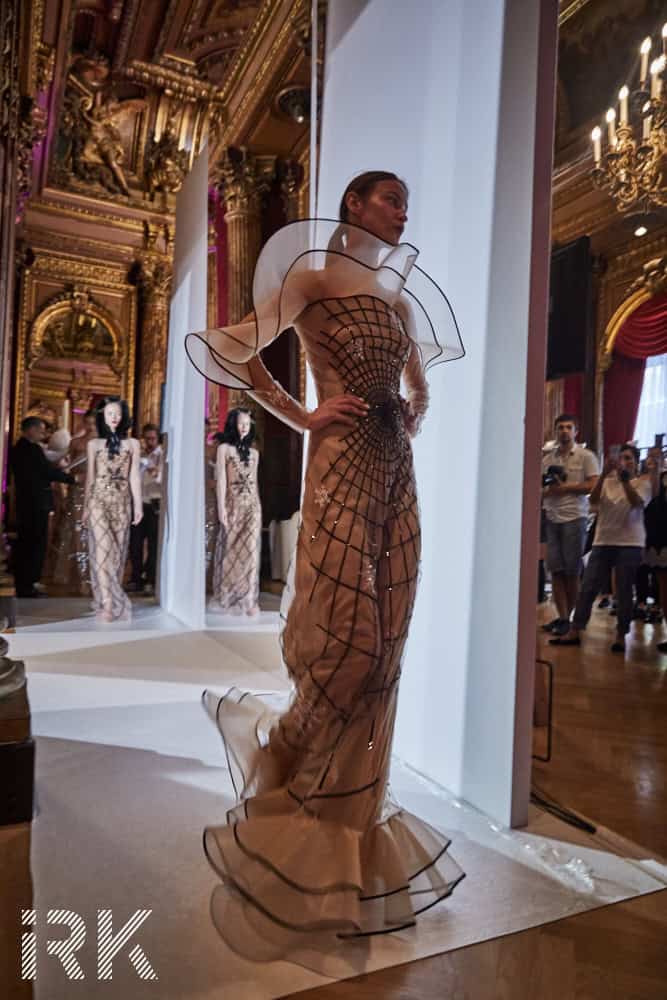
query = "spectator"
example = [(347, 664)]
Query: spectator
[(147, 531), (618, 544), (569, 473), (33, 475)]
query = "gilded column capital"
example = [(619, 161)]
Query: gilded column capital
[(243, 178), (291, 175)]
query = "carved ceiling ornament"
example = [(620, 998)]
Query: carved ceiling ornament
[(165, 164), (243, 178), (91, 143), (73, 325), (653, 277)]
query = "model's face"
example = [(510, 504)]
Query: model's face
[(243, 424), (112, 415), (384, 212), (566, 432), (89, 426), (626, 463), (151, 440)]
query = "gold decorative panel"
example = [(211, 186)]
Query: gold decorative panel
[(76, 335)]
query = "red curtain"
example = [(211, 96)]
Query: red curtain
[(642, 336), (573, 394), (644, 333), (622, 393)]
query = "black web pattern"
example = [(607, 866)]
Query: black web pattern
[(364, 550)]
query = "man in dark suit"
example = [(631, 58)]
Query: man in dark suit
[(33, 475)]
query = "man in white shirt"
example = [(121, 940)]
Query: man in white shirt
[(147, 531), (621, 496), (569, 472)]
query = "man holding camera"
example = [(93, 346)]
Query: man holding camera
[(621, 495), (569, 474)]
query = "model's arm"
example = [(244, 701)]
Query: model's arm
[(221, 484), (417, 391), (135, 481)]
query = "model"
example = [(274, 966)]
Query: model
[(316, 846)]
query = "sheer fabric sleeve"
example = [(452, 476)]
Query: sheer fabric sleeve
[(271, 395), (416, 388)]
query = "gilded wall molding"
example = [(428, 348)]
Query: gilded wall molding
[(97, 214)]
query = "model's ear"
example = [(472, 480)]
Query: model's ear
[(353, 202)]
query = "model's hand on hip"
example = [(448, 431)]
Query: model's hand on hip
[(344, 409)]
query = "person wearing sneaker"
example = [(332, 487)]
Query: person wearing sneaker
[(569, 473), (618, 544), (145, 535)]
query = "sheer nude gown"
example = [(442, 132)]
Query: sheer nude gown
[(238, 545), (109, 519), (315, 846)]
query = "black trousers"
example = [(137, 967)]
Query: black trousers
[(30, 550), (145, 532)]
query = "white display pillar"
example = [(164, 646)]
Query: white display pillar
[(182, 575), (448, 95)]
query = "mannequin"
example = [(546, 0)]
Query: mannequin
[(113, 501), (237, 551)]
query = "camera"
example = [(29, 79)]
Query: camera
[(554, 475), (624, 476)]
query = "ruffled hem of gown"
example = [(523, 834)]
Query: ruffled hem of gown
[(291, 879)]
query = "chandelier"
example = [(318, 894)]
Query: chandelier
[(633, 166)]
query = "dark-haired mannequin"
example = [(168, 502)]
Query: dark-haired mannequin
[(113, 490), (237, 551)]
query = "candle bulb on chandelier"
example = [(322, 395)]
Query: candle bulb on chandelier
[(623, 95), (596, 135), (611, 125), (657, 68), (646, 123), (644, 51)]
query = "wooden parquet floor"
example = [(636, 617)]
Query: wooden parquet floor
[(615, 953), (609, 763), (610, 731)]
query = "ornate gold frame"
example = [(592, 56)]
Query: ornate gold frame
[(64, 306), (31, 327)]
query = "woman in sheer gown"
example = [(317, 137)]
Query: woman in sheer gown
[(315, 845), (238, 546), (71, 561), (113, 494)]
